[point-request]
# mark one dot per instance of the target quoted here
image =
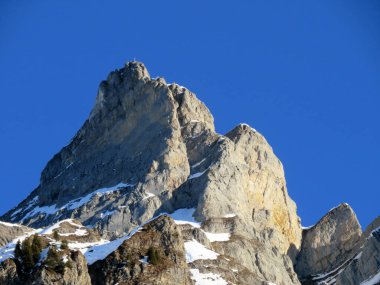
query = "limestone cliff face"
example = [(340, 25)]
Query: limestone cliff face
[(248, 179)]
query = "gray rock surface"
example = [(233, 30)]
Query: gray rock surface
[(329, 243), (366, 263), (362, 265)]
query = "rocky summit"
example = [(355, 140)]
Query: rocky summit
[(147, 192)]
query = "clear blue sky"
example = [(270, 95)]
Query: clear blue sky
[(306, 74)]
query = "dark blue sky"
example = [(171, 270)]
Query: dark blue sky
[(306, 74)]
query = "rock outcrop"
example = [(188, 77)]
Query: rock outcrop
[(329, 243), (154, 255), (71, 231), (335, 251), (75, 274), (9, 274), (364, 268), (10, 231)]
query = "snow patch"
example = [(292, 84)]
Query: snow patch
[(218, 236), (106, 213), (148, 195), (94, 251), (248, 126), (196, 175), (344, 204), (330, 277), (74, 204), (9, 224), (47, 210), (78, 232), (7, 251), (207, 278), (307, 228), (100, 250), (180, 86), (195, 250), (359, 255), (144, 260), (71, 164), (15, 213), (198, 163), (185, 216), (197, 135), (231, 215), (100, 192), (49, 230), (373, 280)]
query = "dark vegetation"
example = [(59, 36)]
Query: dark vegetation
[(64, 244), (54, 260), (153, 256), (56, 235), (28, 254)]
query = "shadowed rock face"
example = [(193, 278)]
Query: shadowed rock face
[(366, 263)]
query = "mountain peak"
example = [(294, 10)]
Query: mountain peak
[(136, 70), (150, 148)]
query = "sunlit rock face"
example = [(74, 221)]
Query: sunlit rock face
[(333, 240)]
